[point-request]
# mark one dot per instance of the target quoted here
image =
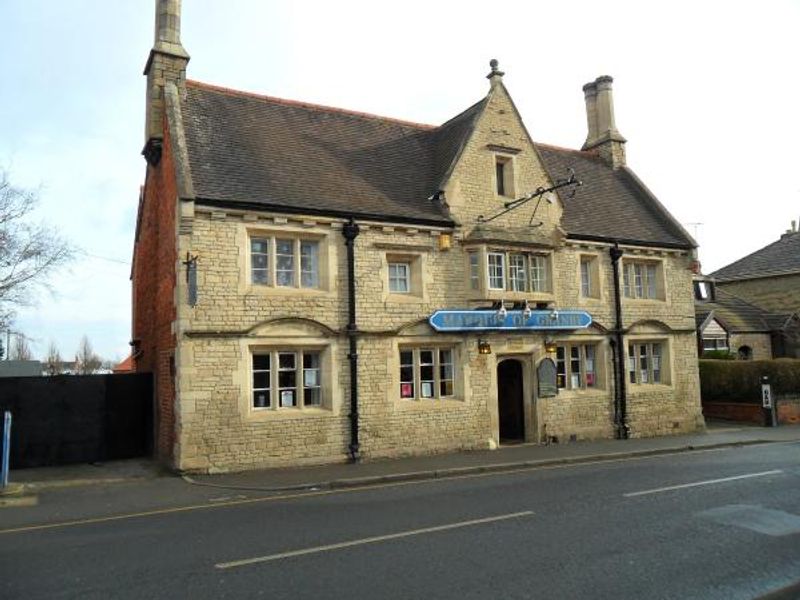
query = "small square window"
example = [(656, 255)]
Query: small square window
[(399, 278)]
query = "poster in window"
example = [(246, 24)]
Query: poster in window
[(310, 378), (287, 398), (590, 379), (546, 374), (427, 389), (406, 390)]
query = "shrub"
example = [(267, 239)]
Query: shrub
[(740, 380), (718, 355)]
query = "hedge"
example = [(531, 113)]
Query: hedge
[(740, 380)]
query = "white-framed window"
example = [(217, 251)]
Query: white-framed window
[(715, 342), (645, 362), (590, 276), (576, 366), (640, 279), (427, 373), (399, 277), (518, 271), (286, 379), (284, 261)]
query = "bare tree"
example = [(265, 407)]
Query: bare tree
[(86, 361), (53, 364), (29, 252), (21, 350)]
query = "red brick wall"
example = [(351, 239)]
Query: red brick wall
[(153, 293)]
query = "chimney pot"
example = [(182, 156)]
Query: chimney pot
[(602, 135)]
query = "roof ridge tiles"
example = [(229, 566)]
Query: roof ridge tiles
[(308, 105)]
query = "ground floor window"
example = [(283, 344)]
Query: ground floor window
[(427, 373), (645, 362), (576, 366), (286, 379)]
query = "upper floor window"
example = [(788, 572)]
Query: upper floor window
[(641, 279), (518, 272), (504, 175), (284, 262), (576, 366), (474, 271), (286, 379), (590, 277), (399, 277)]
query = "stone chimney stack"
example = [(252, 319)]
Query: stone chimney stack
[(166, 64), (602, 137)]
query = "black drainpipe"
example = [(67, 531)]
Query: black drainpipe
[(620, 400), (350, 231)]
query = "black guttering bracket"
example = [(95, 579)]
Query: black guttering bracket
[(296, 210)]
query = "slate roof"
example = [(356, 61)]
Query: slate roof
[(737, 315), (246, 149), (778, 258)]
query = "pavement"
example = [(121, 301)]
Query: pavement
[(343, 475)]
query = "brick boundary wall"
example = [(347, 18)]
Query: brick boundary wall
[(788, 410)]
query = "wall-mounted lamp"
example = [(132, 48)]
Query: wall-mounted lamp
[(526, 312), (550, 345), (445, 241), (502, 312), (484, 347)]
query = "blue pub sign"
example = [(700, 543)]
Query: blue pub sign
[(514, 320)]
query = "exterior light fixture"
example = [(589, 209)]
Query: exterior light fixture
[(445, 241), (550, 345), (484, 347), (553, 314), (526, 312), (502, 312)]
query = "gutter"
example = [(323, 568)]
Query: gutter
[(620, 396), (350, 231)]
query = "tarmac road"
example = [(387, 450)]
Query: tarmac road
[(708, 524)]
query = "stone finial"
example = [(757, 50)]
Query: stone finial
[(496, 74)]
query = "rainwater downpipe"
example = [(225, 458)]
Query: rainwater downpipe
[(350, 232), (620, 399)]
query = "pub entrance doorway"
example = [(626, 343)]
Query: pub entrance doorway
[(510, 406)]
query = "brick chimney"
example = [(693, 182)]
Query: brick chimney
[(166, 63), (603, 138)]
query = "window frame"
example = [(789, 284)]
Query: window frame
[(588, 377), (643, 279), (642, 359), (299, 259), (589, 276), (439, 368), (406, 278), (277, 383)]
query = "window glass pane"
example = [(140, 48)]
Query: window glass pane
[(638, 283), (398, 277), (539, 281), (561, 367), (586, 281), (284, 262), (591, 374), (406, 374), (650, 271), (426, 380), (626, 281), (632, 362), (656, 352), (261, 381), (496, 270), (259, 261), (474, 276), (644, 371), (501, 177), (260, 361), (575, 367), (309, 264), (445, 372), (312, 395), (517, 278), (287, 379)]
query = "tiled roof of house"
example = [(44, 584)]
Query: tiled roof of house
[(263, 151), (737, 315), (779, 258)]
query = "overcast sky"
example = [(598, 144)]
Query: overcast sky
[(707, 94)]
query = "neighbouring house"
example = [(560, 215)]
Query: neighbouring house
[(126, 366), (769, 277), (728, 324), (312, 284)]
